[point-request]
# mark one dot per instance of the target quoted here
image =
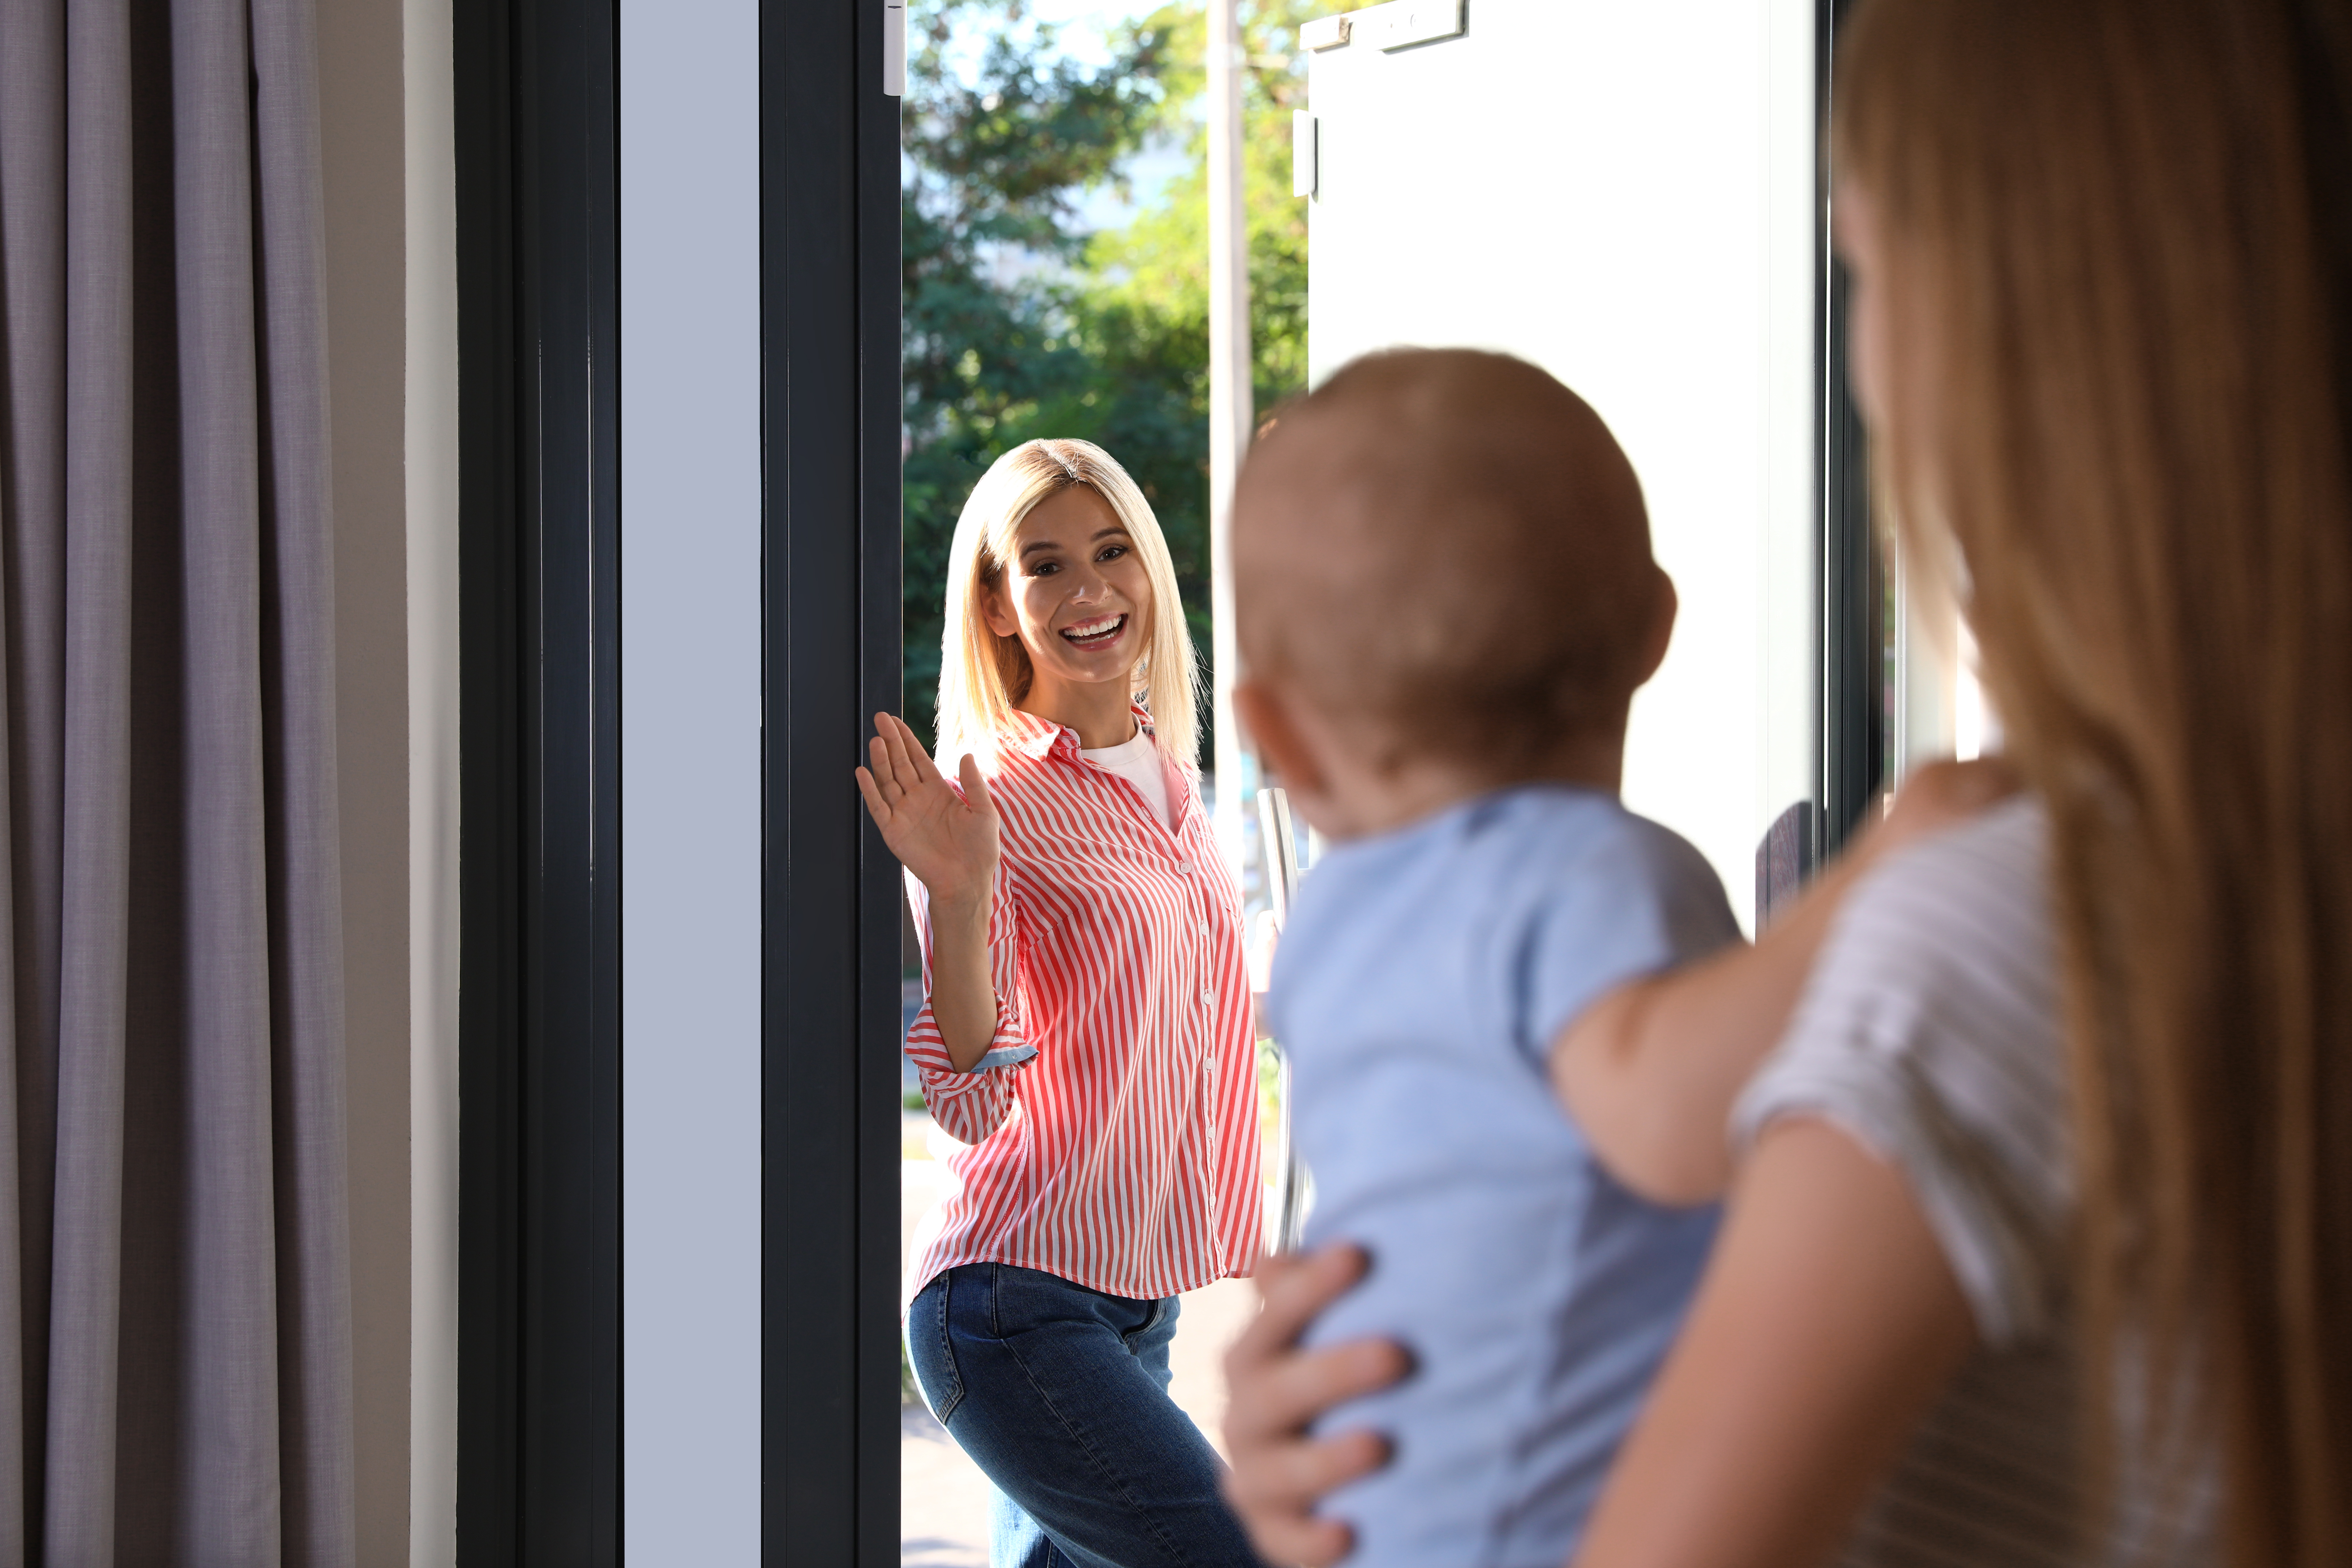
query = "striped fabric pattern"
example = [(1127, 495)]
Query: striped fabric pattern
[(1111, 1130), (1929, 1032)]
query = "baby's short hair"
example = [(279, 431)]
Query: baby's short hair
[(1446, 547)]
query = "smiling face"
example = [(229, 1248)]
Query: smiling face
[(1075, 592)]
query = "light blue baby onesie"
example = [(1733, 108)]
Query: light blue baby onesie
[(1423, 976)]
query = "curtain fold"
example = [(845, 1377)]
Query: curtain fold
[(174, 1311)]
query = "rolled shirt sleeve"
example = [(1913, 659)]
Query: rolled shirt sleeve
[(968, 1105)]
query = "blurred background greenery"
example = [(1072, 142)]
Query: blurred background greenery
[(1055, 262)]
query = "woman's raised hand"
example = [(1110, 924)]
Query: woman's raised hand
[(947, 840)]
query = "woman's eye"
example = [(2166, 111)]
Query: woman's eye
[(1044, 569), (1112, 552)]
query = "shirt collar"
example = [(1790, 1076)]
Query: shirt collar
[(1036, 737)]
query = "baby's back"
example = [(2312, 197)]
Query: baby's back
[(1422, 980)]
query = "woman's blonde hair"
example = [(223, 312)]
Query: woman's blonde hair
[(983, 677), (2123, 232)]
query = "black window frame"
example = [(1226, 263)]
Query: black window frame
[(535, 94), (832, 419), (537, 185), (1851, 646)]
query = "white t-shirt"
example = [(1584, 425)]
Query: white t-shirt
[(1137, 761), (1929, 1032)]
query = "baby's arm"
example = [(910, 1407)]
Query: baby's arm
[(1651, 1071)]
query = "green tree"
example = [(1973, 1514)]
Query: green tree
[(1157, 268), (1019, 323)]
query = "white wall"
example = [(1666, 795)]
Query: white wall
[(690, 781), (1624, 195)]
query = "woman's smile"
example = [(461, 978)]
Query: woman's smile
[(1094, 635)]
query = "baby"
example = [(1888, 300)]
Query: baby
[(1445, 600)]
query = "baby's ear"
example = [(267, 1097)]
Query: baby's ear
[(1265, 719), (1661, 630)]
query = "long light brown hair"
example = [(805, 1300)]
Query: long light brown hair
[(2122, 233)]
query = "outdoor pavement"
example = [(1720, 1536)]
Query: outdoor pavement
[(943, 1499)]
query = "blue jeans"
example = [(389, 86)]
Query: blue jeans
[(1060, 1395)]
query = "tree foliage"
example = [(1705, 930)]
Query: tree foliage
[(1020, 323)]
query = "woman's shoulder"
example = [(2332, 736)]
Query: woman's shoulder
[(1929, 1031), (1993, 864), (1009, 754), (1944, 953)]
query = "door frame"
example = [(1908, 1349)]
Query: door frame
[(830, 335), (540, 1237), (1851, 651), (539, 1019)]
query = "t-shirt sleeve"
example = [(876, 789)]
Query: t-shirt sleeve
[(1928, 1033), (1640, 901)]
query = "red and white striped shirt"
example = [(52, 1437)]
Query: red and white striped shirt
[(1113, 1124)]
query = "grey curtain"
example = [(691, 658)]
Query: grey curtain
[(174, 1284)]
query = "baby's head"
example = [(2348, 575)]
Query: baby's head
[(1443, 584)]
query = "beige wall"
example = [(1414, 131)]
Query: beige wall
[(360, 78), (366, 137), (432, 215)]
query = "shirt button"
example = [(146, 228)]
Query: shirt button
[(1183, 867), (1204, 928), (1205, 998), (1209, 1064)]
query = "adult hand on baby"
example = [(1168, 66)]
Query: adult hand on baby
[(947, 840), (1940, 795), (1276, 1390)]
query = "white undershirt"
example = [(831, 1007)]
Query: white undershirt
[(1137, 761)]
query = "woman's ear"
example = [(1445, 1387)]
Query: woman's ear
[(995, 611)]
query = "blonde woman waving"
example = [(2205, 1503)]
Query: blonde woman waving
[(1086, 1023)]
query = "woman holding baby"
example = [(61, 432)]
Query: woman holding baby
[(2039, 1246), (1085, 1029)]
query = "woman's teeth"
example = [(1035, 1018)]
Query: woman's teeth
[(1086, 633)]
